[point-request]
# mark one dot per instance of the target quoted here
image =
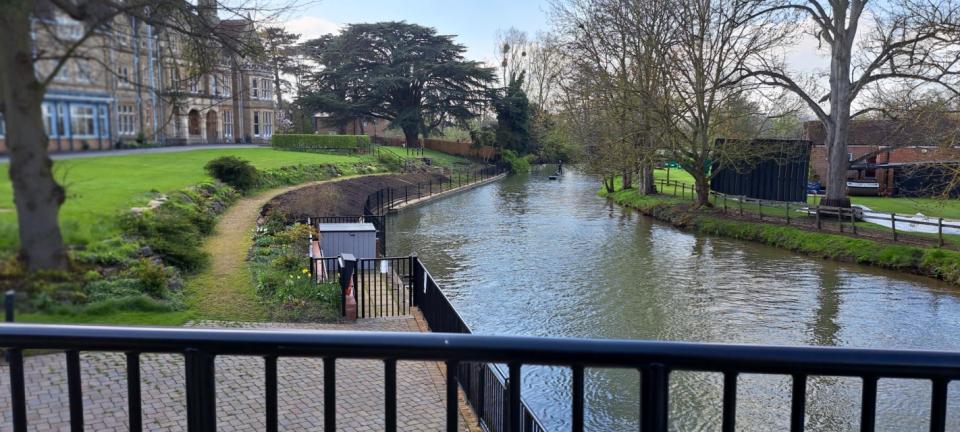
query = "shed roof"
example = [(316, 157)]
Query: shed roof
[(345, 227)]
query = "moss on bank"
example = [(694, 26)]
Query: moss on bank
[(932, 262)]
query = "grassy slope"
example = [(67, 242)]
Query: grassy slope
[(99, 188), (949, 209), (938, 263), (437, 158)]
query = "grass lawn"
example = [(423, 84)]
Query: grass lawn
[(436, 158), (99, 188), (948, 209)]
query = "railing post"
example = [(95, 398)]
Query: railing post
[(818, 216), (416, 276), (740, 205), (940, 232), (893, 225), (406, 195), (654, 390), (853, 220), (201, 391), (788, 213)]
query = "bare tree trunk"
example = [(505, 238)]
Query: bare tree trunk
[(36, 194), (608, 184), (646, 185), (838, 162), (627, 179), (702, 185)]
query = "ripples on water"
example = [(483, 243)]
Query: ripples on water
[(529, 256)]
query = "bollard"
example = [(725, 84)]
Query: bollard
[(818, 216), (940, 231)]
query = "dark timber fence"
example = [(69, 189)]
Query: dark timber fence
[(841, 219)]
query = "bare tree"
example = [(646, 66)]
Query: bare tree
[(871, 44), (27, 70), (716, 41)]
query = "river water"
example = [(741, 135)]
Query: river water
[(535, 257)]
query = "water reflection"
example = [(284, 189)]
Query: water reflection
[(537, 257)]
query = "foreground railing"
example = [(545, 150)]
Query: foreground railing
[(654, 360)]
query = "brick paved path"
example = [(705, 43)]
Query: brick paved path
[(240, 390)]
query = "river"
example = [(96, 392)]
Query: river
[(531, 256)]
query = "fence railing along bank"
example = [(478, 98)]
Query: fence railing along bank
[(844, 220), (500, 411)]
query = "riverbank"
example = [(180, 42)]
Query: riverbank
[(931, 262)]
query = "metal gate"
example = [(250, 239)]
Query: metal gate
[(382, 286)]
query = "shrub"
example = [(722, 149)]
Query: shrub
[(518, 164), (233, 171), (290, 175), (319, 143)]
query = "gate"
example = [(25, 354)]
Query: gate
[(382, 286)]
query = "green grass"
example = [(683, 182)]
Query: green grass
[(175, 318), (100, 188), (436, 158)]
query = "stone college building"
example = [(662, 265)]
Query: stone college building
[(133, 84)]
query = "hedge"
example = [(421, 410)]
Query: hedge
[(305, 142)]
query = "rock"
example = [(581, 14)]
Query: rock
[(145, 251)]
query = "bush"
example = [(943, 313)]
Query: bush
[(319, 143), (233, 171), (518, 164), (291, 175)]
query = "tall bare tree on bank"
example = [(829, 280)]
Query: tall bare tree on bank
[(616, 48), (37, 194), (871, 44), (716, 41)]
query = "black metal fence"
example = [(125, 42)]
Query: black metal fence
[(655, 361), (487, 390), (382, 286), (839, 219), (385, 200)]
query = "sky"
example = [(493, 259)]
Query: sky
[(474, 22)]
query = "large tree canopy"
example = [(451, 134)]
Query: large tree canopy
[(405, 73)]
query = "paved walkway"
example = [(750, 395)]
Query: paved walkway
[(172, 149), (240, 390)]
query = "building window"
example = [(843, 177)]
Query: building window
[(83, 120), (123, 76), (84, 72), (48, 119), (3, 126), (104, 127), (225, 86), (61, 129), (227, 124), (214, 89), (255, 89), (126, 118), (194, 85), (256, 123), (267, 124), (68, 28), (267, 89), (63, 75)]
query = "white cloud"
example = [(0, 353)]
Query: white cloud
[(310, 27)]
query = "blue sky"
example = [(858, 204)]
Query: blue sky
[(474, 22)]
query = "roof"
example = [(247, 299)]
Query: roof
[(887, 133), (345, 227)]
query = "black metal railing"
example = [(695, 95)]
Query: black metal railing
[(384, 200), (486, 388), (382, 286), (655, 361)]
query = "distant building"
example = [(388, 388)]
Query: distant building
[(133, 82), (374, 127), (892, 144)]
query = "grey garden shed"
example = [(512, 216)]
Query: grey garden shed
[(359, 239)]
